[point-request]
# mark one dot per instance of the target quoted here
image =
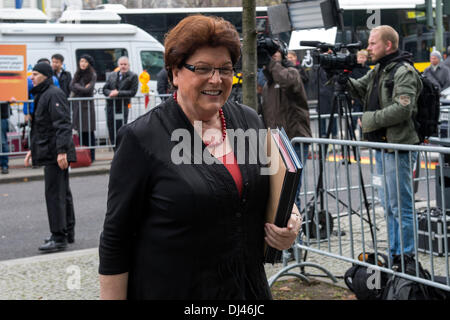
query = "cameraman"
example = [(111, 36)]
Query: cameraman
[(284, 102), (387, 118)]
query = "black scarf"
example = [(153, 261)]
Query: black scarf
[(83, 76), (374, 100)]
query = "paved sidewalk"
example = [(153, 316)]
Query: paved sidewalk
[(73, 275), (19, 173), (59, 276)]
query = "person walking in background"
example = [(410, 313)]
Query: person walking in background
[(82, 86), (284, 104), (209, 218), (52, 146), (437, 72), (325, 105), (120, 87), (292, 57), (162, 83), (4, 126), (64, 77), (447, 60)]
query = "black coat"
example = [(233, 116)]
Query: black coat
[(84, 111), (127, 87), (4, 110), (162, 84), (357, 73), (65, 78), (181, 230), (51, 129), (326, 92)]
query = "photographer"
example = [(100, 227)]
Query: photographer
[(387, 118), (284, 102)]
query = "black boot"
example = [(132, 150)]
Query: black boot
[(70, 237), (53, 246)]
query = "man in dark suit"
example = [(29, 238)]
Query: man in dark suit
[(120, 87), (64, 77)]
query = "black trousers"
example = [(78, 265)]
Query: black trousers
[(120, 121), (58, 197)]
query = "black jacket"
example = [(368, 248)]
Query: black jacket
[(127, 87), (65, 78), (51, 128), (326, 93), (162, 84), (181, 230), (357, 73), (4, 110)]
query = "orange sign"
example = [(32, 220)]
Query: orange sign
[(13, 72)]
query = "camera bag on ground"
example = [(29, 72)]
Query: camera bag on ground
[(426, 121), (399, 288), (360, 279)]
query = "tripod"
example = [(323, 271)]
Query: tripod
[(341, 106)]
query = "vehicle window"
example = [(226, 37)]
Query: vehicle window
[(153, 62), (105, 60)]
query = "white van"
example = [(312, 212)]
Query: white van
[(104, 42)]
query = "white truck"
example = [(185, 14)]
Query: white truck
[(105, 42)]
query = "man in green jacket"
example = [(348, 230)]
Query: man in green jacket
[(389, 107)]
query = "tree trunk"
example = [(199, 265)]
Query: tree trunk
[(249, 57)]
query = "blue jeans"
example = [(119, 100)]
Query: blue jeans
[(324, 123), (297, 148), (391, 204), (4, 143)]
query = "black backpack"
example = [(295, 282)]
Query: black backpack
[(426, 121), (398, 288), (360, 280)]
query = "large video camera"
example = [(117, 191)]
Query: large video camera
[(266, 47), (334, 58)]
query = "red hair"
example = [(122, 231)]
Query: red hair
[(198, 31)]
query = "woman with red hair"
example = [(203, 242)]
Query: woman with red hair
[(191, 229)]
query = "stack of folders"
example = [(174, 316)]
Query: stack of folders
[(285, 173)]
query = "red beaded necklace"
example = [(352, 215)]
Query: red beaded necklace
[(222, 122)]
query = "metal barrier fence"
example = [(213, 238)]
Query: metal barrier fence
[(343, 215), (91, 119)]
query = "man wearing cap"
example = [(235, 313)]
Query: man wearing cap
[(437, 72), (52, 147)]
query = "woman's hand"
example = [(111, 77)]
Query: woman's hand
[(283, 238)]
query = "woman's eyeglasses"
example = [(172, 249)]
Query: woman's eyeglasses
[(208, 71)]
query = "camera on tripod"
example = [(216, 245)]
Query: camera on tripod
[(266, 47), (334, 58)]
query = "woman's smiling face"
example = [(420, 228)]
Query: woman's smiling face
[(202, 95)]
